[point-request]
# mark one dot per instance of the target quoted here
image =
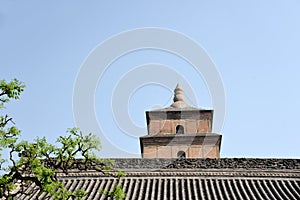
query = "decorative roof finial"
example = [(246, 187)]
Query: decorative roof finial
[(178, 98), (178, 93)]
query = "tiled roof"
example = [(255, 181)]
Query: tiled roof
[(173, 179)]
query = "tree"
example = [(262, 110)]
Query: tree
[(38, 162)]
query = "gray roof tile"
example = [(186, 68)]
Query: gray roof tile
[(205, 179)]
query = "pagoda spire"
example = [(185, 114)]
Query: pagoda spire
[(178, 98)]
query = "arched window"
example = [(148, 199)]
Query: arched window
[(181, 154), (179, 129)]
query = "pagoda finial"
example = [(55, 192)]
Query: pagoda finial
[(178, 97), (178, 93)]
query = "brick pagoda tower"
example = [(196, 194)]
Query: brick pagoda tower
[(180, 131)]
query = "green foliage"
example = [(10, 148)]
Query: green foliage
[(116, 193), (8, 132), (120, 174), (11, 90), (38, 162)]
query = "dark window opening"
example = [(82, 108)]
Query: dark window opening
[(181, 154), (179, 129)]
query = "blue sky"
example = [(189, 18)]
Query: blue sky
[(254, 45)]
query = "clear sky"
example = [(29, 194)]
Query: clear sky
[(254, 45)]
